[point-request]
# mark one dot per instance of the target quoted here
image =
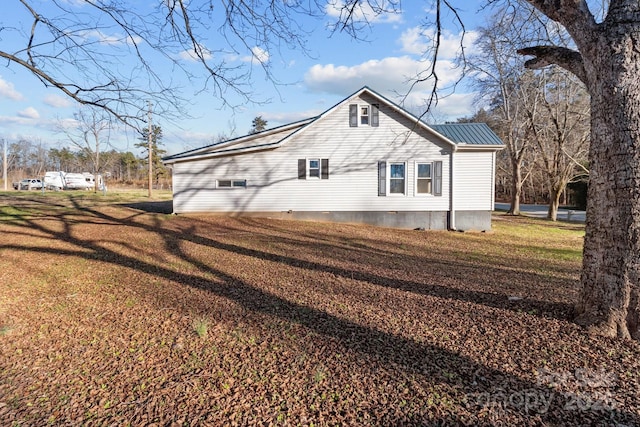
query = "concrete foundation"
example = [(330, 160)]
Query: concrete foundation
[(412, 220), (473, 220)]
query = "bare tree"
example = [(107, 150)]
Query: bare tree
[(77, 47), (91, 135), (561, 132), (497, 72)]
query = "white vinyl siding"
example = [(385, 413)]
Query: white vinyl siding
[(353, 181), (473, 180)]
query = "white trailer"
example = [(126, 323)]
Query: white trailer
[(78, 181), (54, 180)]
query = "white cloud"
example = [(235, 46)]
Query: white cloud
[(190, 54), (68, 123), (420, 41), (388, 75), (257, 55), (74, 2), (57, 101), (102, 38), (448, 107), (7, 90), (363, 12), (29, 113), (391, 77), (260, 54)]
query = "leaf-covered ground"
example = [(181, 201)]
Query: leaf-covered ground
[(115, 313)]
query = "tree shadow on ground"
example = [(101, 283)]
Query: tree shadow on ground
[(162, 207), (429, 364)]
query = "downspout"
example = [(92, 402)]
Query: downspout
[(493, 181), (452, 211)]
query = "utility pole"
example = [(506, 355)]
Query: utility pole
[(150, 137)]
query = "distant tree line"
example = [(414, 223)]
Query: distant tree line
[(542, 116), (28, 158)]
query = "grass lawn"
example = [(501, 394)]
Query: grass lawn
[(112, 312)]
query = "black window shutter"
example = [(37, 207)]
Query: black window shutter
[(302, 168), (324, 169), (437, 178), (375, 115), (382, 178), (353, 115)]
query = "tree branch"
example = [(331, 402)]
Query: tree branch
[(544, 56), (574, 15)]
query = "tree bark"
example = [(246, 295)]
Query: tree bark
[(609, 299), (554, 203), (609, 302)]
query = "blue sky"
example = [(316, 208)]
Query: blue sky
[(335, 67)]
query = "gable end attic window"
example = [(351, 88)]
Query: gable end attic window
[(364, 115)]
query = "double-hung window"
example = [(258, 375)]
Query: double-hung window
[(397, 178), (364, 115), (428, 178), (424, 183)]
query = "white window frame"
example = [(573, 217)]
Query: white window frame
[(233, 184), (416, 178), (319, 168), (389, 178), (365, 116)]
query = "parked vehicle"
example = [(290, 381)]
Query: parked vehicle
[(28, 184), (60, 180), (78, 181), (54, 181)]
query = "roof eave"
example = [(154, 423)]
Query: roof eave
[(479, 147), (214, 148), (221, 153)]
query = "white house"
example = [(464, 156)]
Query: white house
[(364, 160)]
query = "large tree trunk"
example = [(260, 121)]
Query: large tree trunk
[(609, 300), (516, 187), (554, 202)]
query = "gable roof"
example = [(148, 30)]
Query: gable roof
[(479, 135)]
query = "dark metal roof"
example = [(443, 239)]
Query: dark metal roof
[(468, 133)]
